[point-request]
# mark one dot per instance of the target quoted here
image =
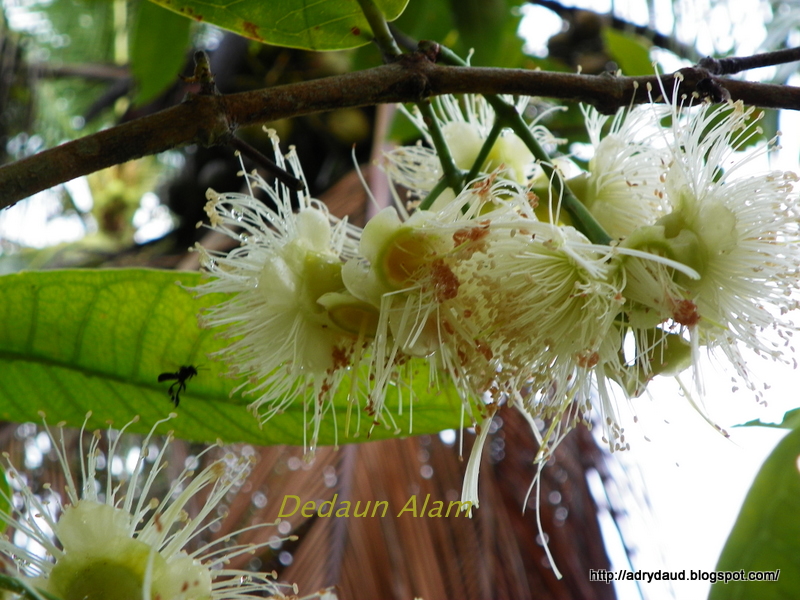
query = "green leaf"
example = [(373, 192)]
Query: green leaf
[(428, 20), (791, 420), (766, 535), (489, 28), (631, 52), (325, 25), (78, 341), (158, 48)]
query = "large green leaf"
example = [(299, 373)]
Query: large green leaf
[(158, 47), (321, 25), (766, 535), (75, 341)]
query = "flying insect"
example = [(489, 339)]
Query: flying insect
[(183, 375)]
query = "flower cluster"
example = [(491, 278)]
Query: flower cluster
[(122, 540), (498, 290)]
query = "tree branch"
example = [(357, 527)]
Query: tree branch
[(210, 119), (737, 64), (655, 37)]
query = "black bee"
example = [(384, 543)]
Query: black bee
[(183, 375)]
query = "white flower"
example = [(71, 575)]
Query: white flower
[(624, 186), (293, 327), (465, 125), (738, 230), (118, 540)]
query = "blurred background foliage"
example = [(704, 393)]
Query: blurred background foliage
[(70, 67)]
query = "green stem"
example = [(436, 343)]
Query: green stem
[(19, 587), (507, 115), (380, 29), (433, 195), (488, 144), (446, 55), (583, 220), (452, 174), (386, 42)]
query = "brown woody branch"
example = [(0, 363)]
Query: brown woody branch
[(737, 64), (212, 119)]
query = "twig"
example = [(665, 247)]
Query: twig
[(380, 29), (403, 40), (486, 148), (88, 71), (437, 190), (737, 64), (507, 114), (286, 178), (655, 37), (203, 75), (452, 173), (211, 119)]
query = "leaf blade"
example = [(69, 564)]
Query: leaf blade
[(766, 535), (326, 25), (158, 46), (96, 340)]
